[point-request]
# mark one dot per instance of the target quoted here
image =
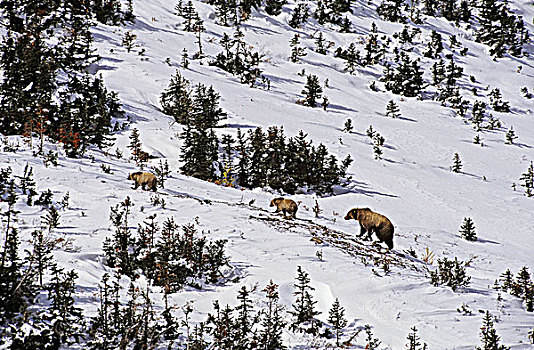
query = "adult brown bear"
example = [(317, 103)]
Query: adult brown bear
[(373, 222), (285, 206), (144, 179)]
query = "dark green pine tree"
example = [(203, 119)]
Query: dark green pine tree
[(414, 341), (296, 51), (523, 286), (435, 45), (347, 127), (438, 72), (478, 114), (200, 147), (336, 317), (373, 50), (29, 72), (320, 44), (276, 156), (245, 320), (274, 7), (258, 160), (407, 79), (488, 335), (176, 99), (390, 10), (41, 255), (128, 14), (16, 287), (510, 136), (312, 91), (528, 181), (467, 230), (345, 26), (270, 337), (497, 103), (107, 11), (457, 163), (65, 317), (506, 281), (371, 342), (243, 156), (352, 58), (189, 14), (304, 304), (118, 249), (392, 110), (300, 15)]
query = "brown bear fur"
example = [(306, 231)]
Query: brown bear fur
[(144, 179), (373, 222), (285, 206)]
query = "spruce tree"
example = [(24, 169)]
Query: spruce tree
[(352, 58), (347, 127), (457, 163), (300, 15), (337, 319), (392, 110), (497, 103), (176, 99), (304, 304), (414, 341), (270, 337), (320, 44), (467, 230), (528, 181), (390, 10), (371, 343), (488, 335), (274, 7), (312, 90), (296, 51), (510, 136)]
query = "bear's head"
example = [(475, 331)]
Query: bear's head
[(132, 176), (352, 214), (276, 201)]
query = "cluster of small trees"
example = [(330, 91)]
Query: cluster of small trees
[(37, 305), (254, 159), (521, 287), (450, 273), (46, 89), (169, 256), (493, 22)]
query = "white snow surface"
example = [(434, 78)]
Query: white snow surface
[(412, 184)]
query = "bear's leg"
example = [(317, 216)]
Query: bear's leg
[(362, 230), (284, 212), (136, 185), (143, 186)]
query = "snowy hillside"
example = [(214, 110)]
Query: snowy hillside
[(412, 184)]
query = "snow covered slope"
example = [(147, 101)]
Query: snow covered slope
[(412, 184)]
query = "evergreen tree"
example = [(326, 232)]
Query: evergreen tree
[(371, 343), (337, 319), (199, 150), (304, 304), (244, 321), (300, 16), (528, 181), (345, 26), (407, 79), (118, 249), (352, 57), (450, 273), (348, 126), (497, 103), (188, 13), (390, 10), (488, 335), (270, 337), (510, 136), (135, 148), (392, 110), (468, 230), (296, 51), (66, 319), (312, 90), (176, 99), (274, 7), (320, 44), (435, 45), (438, 72), (414, 341), (457, 163)]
